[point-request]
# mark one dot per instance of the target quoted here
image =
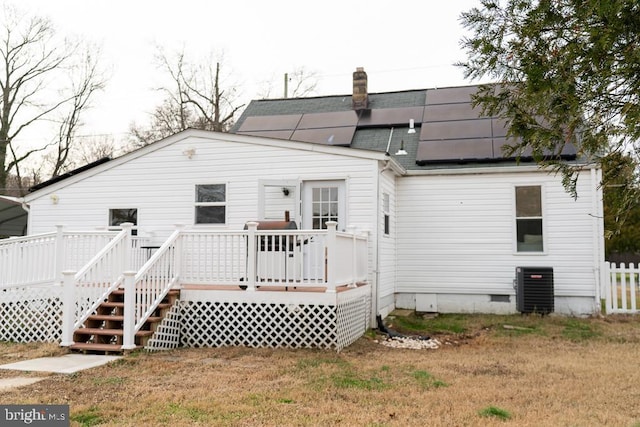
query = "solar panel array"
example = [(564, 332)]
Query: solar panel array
[(332, 128), (450, 128)]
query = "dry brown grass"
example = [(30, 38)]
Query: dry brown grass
[(546, 372)]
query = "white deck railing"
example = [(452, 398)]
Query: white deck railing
[(28, 260), (621, 288), (40, 259), (149, 287), (86, 289), (246, 259), (273, 258)]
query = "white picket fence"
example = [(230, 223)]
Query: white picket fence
[(621, 288)]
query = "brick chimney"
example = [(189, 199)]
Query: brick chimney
[(360, 98)]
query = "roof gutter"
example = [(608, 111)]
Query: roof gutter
[(485, 170)]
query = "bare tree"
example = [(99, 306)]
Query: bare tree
[(197, 97), (32, 62), (168, 118), (87, 80), (299, 83), (302, 82), (96, 148)]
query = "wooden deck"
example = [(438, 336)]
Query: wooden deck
[(293, 288)]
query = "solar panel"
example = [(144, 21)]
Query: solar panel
[(279, 134), (568, 151), (460, 150), (450, 95), (284, 122), (391, 116), (458, 129), (498, 150), (322, 120), (328, 136), (499, 127), (445, 112)]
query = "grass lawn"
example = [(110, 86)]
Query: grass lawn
[(489, 371)]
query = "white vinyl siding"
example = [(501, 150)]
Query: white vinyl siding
[(387, 243), (161, 184), (455, 234)]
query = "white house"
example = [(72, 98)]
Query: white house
[(430, 215)]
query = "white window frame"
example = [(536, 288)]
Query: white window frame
[(110, 226), (198, 204), (545, 235), (386, 214), (307, 200)]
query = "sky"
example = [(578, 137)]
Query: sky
[(402, 44)]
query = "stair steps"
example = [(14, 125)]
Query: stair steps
[(103, 332)]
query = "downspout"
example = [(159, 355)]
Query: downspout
[(598, 236), (374, 312), (374, 299)]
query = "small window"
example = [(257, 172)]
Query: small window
[(529, 219), (120, 216), (211, 204), (385, 212)]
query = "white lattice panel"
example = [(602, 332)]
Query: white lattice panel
[(167, 335), (31, 314), (220, 324), (353, 313)]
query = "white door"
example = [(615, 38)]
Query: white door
[(322, 201)]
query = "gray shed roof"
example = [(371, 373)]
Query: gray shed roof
[(13, 217), (449, 131)]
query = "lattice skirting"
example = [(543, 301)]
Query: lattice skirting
[(353, 313), (167, 335), (31, 314), (220, 324), (265, 324)]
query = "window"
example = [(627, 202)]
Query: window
[(385, 212), (529, 219), (324, 206), (120, 216), (211, 204)]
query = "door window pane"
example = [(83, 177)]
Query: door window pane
[(324, 206)]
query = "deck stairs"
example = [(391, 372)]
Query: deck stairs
[(103, 332)]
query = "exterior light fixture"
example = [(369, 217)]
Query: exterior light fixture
[(190, 152)]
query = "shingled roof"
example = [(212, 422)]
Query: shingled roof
[(448, 131)]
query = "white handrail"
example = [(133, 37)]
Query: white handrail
[(100, 276), (146, 290)]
